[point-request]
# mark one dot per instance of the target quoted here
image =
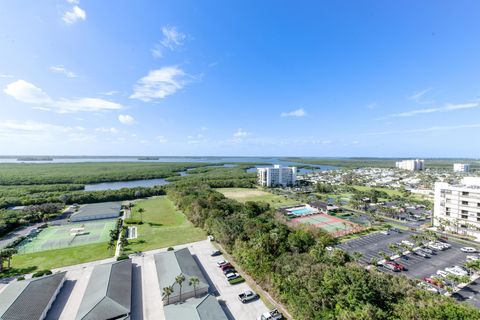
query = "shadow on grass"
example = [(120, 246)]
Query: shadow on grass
[(16, 271), (153, 224)]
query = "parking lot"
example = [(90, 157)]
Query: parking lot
[(417, 267)]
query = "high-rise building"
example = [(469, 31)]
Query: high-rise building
[(412, 165), (461, 167), (277, 176), (457, 207)]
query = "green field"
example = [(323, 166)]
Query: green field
[(245, 194), (24, 263), (163, 226), (57, 237)]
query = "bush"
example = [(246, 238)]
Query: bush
[(170, 249), (122, 257), (132, 221), (41, 273), (21, 278), (236, 280)]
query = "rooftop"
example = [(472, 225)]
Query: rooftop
[(94, 209), (205, 308), (29, 299), (108, 294)]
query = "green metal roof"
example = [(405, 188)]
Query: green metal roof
[(95, 209), (28, 299), (205, 308), (170, 264), (108, 294)]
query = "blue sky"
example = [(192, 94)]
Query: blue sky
[(296, 78)]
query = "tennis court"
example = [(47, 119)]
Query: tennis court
[(69, 235), (333, 225)]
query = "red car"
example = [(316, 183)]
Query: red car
[(226, 266), (433, 281), (398, 265)]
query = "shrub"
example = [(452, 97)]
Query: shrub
[(132, 221), (41, 273), (122, 257), (236, 280), (21, 278), (170, 249)]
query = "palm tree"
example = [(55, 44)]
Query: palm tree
[(194, 281), (7, 254), (180, 279), (111, 244), (141, 211), (167, 292)]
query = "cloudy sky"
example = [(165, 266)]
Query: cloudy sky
[(305, 78)]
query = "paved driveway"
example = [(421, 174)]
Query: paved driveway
[(227, 293)]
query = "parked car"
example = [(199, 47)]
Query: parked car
[(232, 275), (472, 258), (408, 243), (433, 281), (442, 273), (428, 287), (271, 315), (385, 232), (229, 270), (426, 250), (216, 253), (457, 271), (391, 267), (398, 265), (434, 247), (469, 249), (227, 266), (444, 244), (421, 253), (247, 296), (222, 262), (396, 230)]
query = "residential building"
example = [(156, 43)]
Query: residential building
[(277, 176), (109, 292), (185, 301), (461, 167), (324, 207), (411, 165), (457, 207), (96, 211), (30, 299)]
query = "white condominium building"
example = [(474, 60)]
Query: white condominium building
[(457, 207), (461, 167), (277, 176), (412, 165)]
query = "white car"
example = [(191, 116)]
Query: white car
[(385, 232), (231, 276), (222, 263), (444, 244), (435, 247), (457, 271), (469, 249), (408, 243), (442, 273), (472, 258)]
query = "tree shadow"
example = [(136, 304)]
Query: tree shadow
[(6, 274), (153, 224)]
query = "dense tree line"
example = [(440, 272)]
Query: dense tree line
[(294, 265)]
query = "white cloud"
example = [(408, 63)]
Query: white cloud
[(172, 39), (240, 133), (74, 15), (73, 1), (126, 119), (160, 83), (109, 93), (428, 129), (41, 131), (27, 92), (107, 130), (6, 76), (446, 108), (295, 113), (161, 139), (61, 69), (418, 96), (24, 91)]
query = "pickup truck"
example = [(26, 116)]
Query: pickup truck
[(247, 296), (271, 315)]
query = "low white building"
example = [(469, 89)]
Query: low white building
[(461, 167), (277, 176), (412, 165), (457, 207)]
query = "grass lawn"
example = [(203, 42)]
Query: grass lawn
[(25, 263), (245, 194), (163, 226)]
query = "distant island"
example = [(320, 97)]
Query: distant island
[(148, 158), (34, 159)]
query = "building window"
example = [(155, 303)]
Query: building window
[(478, 219), (447, 213), (465, 193), (464, 217), (465, 203), (464, 212)]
